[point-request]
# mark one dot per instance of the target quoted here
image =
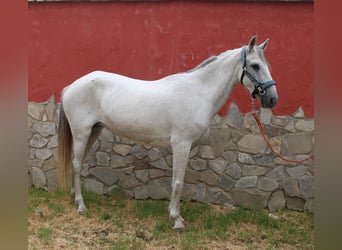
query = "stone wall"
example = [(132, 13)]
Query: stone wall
[(233, 167)]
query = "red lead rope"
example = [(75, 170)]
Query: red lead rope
[(262, 131)]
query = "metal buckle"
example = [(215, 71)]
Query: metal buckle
[(261, 90)]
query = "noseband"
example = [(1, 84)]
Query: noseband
[(259, 87)]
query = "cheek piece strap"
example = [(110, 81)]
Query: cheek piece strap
[(259, 87)]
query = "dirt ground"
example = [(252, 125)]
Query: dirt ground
[(55, 224)]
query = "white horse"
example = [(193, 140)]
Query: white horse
[(175, 111)]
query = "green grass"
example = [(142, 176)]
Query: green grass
[(51, 199), (44, 234), (119, 246), (57, 208), (149, 208), (139, 222)]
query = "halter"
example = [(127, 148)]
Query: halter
[(259, 87)]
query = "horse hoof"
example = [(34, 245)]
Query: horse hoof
[(178, 229), (82, 210), (179, 226)]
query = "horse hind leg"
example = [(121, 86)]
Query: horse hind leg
[(95, 132), (79, 149), (82, 145), (181, 153), (82, 142)]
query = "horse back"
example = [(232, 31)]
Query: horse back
[(142, 110)]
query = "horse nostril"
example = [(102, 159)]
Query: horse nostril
[(273, 101)]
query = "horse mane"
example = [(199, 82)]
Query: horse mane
[(210, 60), (203, 64)]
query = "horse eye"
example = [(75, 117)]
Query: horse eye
[(255, 67)]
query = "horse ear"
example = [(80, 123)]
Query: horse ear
[(252, 43), (264, 44)]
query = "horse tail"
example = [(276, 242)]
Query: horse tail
[(64, 149)]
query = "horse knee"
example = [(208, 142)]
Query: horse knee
[(76, 168), (77, 172), (177, 186)]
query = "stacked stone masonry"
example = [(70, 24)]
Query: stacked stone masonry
[(232, 167)]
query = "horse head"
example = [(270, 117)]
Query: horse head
[(256, 76)]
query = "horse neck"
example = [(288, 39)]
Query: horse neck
[(220, 77)]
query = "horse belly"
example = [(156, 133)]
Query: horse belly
[(138, 125)]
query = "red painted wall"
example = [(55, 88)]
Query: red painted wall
[(149, 40)]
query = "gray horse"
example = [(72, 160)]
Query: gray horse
[(173, 111)]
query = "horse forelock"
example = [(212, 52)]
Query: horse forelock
[(261, 54)]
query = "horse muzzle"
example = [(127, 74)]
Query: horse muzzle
[(269, 99)]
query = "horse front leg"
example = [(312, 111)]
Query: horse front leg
[(181, 151)]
